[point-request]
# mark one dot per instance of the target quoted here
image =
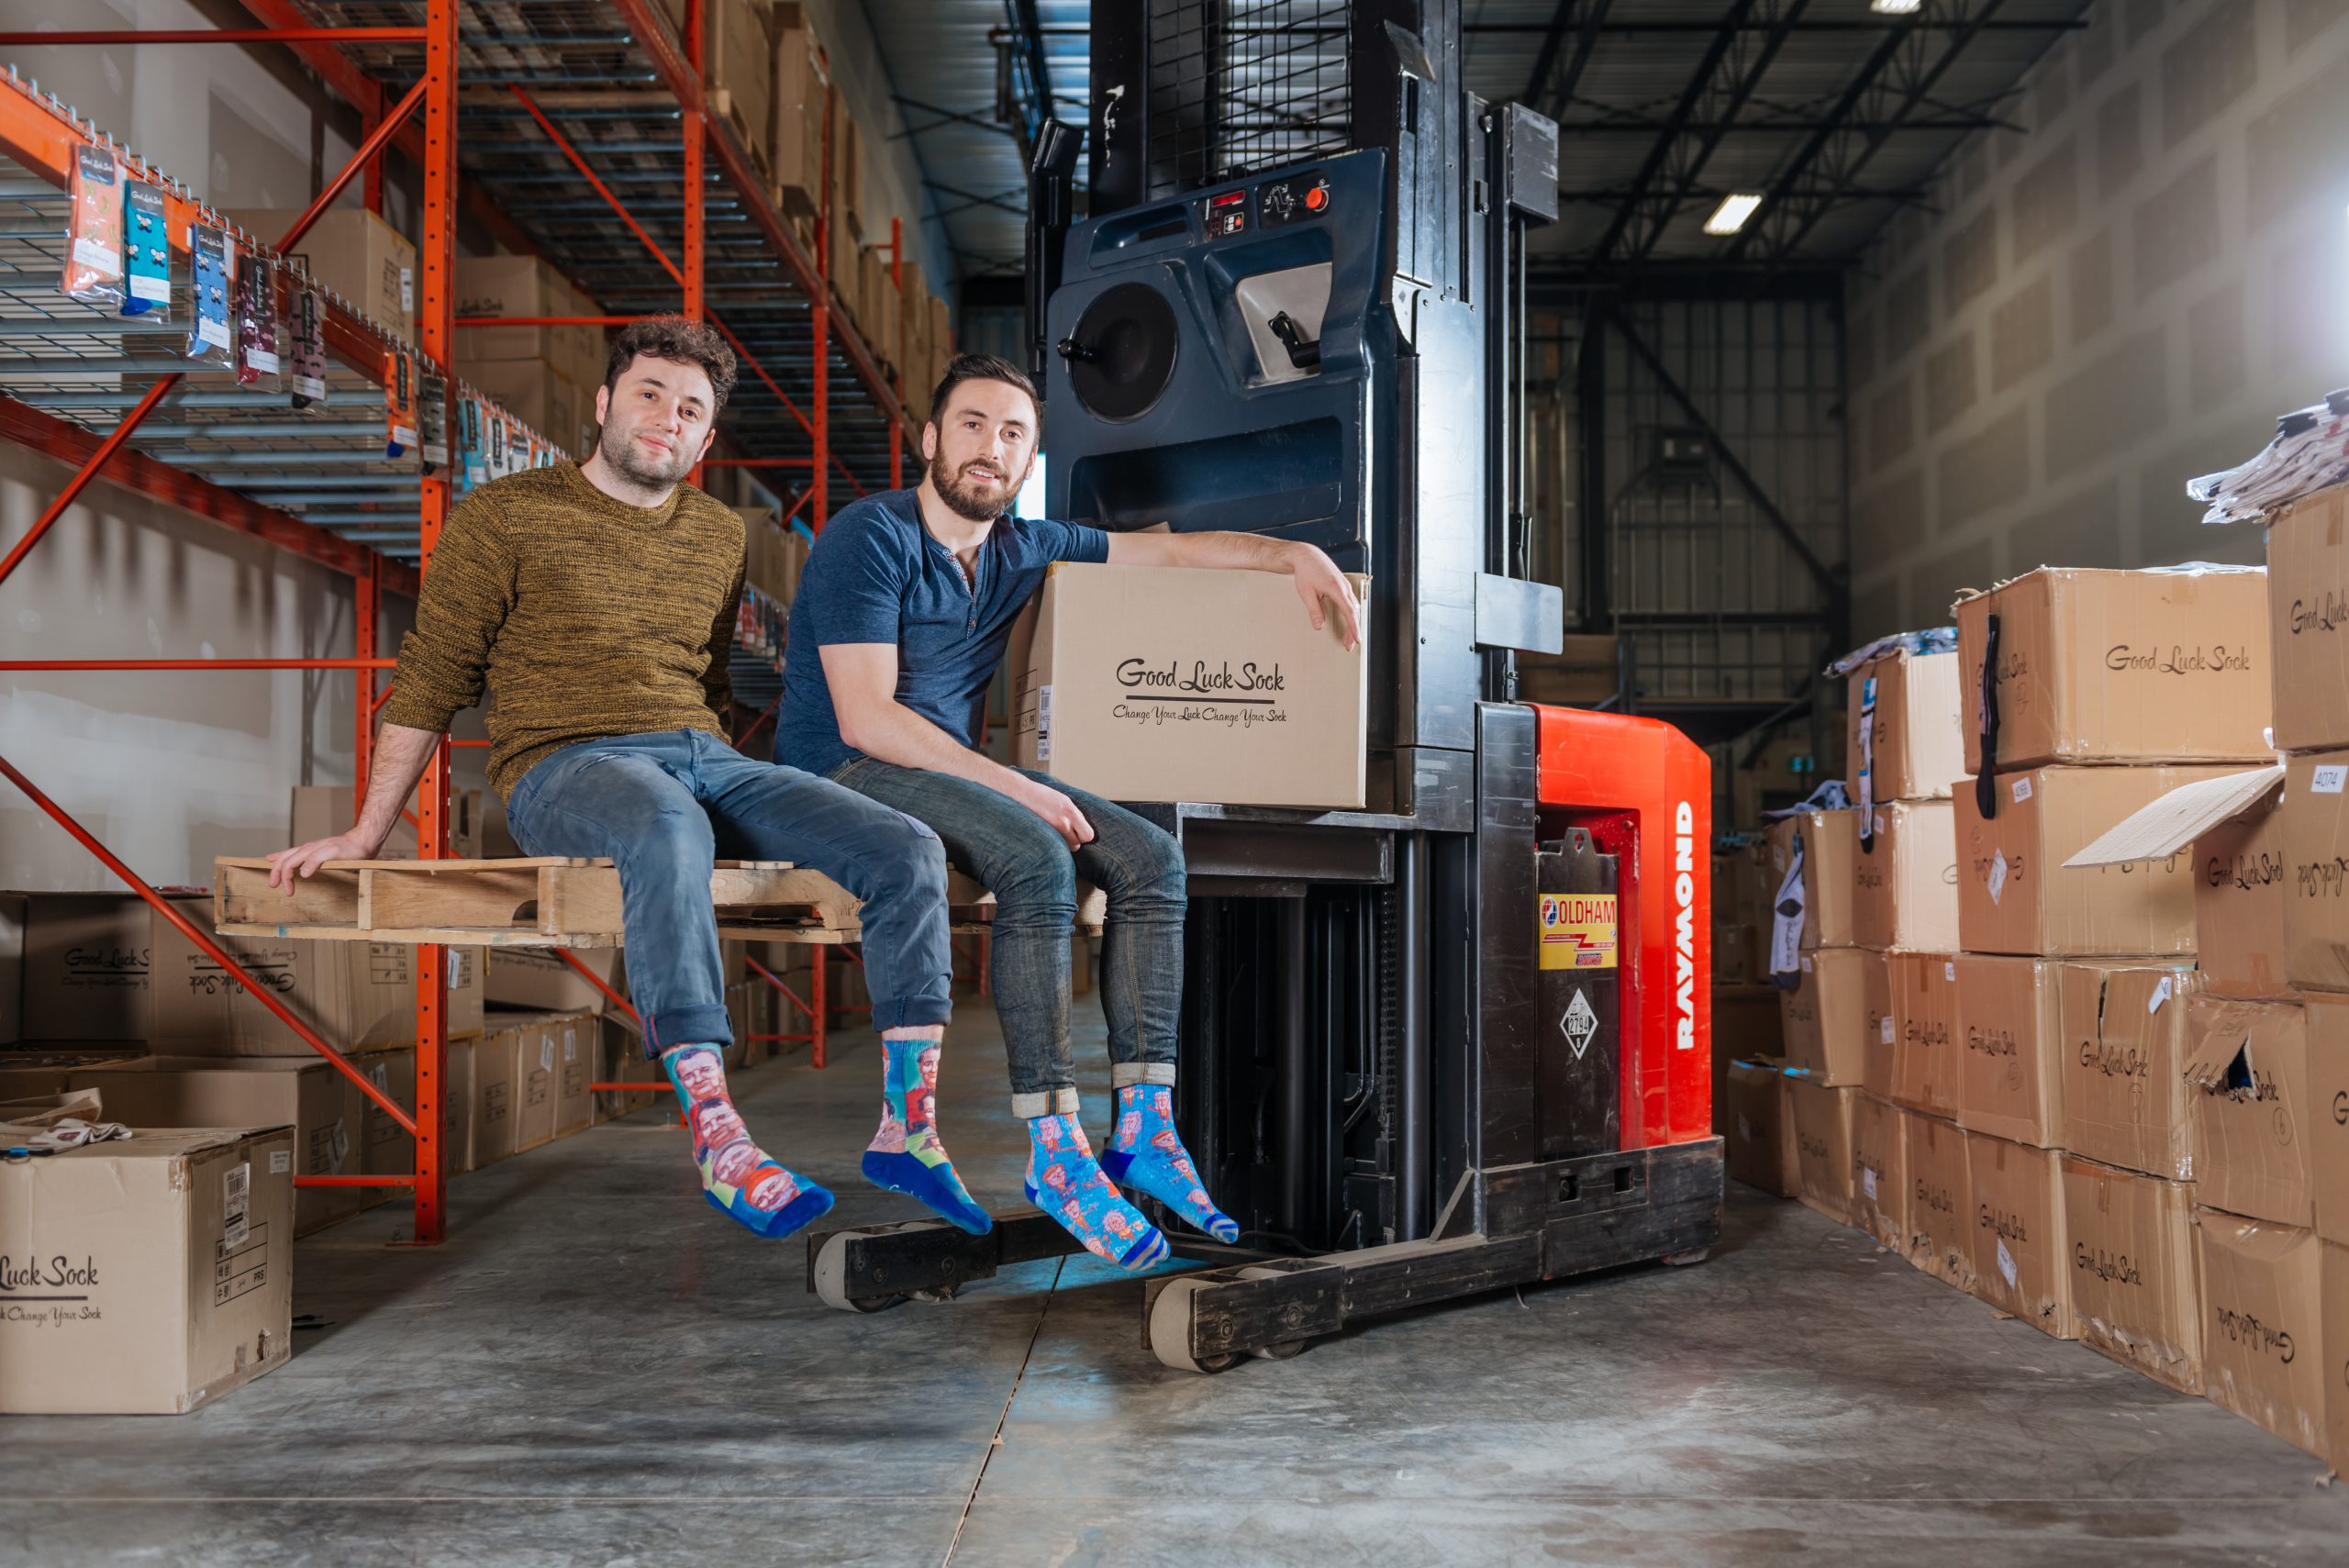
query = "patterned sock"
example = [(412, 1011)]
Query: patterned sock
[(1147, 1153), (905, 1155), (737, 1175), (1063, 1181)]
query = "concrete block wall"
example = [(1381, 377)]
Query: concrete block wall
[(2093, 309)]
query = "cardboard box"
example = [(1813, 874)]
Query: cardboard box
[(524, 285), (1917, 748), (2314, 814), (355, 994), (803, 97), (1747, 1024), (85, 970), (774, 557), (2010, 1014), (2334, 1287), (574, 1038), (1831, 845), (493, 1122), (353, 253), (1928, 1055), (1879, 1170), (2166, 665), (322, 811), (32, 1073), (325, 1112), (738, 64), (2136, 1288), (12, 967), (146, 1276), (2326, 1019), (1822, 1116), (2022, 1260), (536, 980), (2242, 896), (2308, 601), (1905, 880), (1837, 1015), (1758, 1129), (2125, 1044), (1941, 1202), (1164, 683), (2248, 1080), (540, 394), (2264, 1352), (384, 1148), (536, 1085), (2016, 895)]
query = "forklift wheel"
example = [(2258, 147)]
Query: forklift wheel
[(1285, 1351), (937, 1296), (1682, 1260), (1170, 1330), (831, 1288)]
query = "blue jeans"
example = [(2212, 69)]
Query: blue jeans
[(663, 806), (1033, 873)]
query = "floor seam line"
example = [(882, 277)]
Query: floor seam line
[(995, 1438)]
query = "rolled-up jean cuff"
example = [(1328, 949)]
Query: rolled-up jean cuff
[(1050, 1102), (912, 1013), (1126, 1075), (704, 1023)]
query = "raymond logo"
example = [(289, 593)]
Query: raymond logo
[(1684, 903)]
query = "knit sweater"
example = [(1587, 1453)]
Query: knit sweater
[(585, 617)]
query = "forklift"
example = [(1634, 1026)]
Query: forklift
[(1458, 1040)]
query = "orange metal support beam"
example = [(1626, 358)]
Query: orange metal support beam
[(597, 981), (224, 35)]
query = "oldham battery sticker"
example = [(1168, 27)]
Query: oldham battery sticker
[(1577, 930)]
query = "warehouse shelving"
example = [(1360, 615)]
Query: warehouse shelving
[(563, 116)]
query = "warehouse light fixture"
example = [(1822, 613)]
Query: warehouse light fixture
[(1896, 8), (1731, 214)]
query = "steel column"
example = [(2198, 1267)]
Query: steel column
[(897, 282), (820, 316)]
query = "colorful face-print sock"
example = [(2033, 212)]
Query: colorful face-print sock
[(736, 1176), (1065, 1183), (905, 1155), (1147, 1155)]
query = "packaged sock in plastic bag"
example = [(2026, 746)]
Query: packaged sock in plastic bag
[(399, 406), (432, 429), (261, 364), (306, 348), (93, 230), (146, 253), (211, 343), (472, 466)]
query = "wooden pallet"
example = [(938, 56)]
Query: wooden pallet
[(547, 901)]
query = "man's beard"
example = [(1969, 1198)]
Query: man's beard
[(966, 500), (617, 449)]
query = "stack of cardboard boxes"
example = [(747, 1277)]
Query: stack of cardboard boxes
[(545, 376)]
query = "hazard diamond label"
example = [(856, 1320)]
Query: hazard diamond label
[(1580, 1023)]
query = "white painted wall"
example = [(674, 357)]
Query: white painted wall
[(2117, 298)]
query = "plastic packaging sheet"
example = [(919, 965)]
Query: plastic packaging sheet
[(93, 230), (2311, 452), (147, 252), (261, 360), (211, 342)]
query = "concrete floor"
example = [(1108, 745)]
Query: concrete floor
[(598, 1369)]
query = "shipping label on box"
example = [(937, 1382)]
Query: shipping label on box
[(1822, 1123), (1164, 683), (2248, 1080), (2015, 894), (1758, 1129), (146, 1276), (2136, 1288), (1940, 1205), (2125, 1045), (2099, 666), (1916, 745), (2263, 1325), (2022, 1260), (1831, 851), (2326, 1019), (1879, 1170), (2242, 892), (1834, 1017), (2010, 1020), (2307, 599), (1928, 1059), (1905, 880)]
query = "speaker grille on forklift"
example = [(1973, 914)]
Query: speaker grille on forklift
[(1239, 85)]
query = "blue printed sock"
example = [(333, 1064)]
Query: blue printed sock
[(905, 1155), (736, 1176), (1147, 1153), (1065, 1181)]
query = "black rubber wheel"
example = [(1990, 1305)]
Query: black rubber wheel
[(1288, 1350), (875, 1303)]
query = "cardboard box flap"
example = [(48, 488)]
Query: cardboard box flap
[(2159, 830)]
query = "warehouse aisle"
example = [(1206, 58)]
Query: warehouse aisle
[(597, 1370)]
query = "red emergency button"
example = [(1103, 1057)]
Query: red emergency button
[(1317, 199)]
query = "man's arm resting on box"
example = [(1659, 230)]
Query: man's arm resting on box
[(400, 755), (1319, 581), (863, 681)]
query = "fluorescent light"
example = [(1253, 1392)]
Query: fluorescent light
[(1896, 8), (1731, 216)]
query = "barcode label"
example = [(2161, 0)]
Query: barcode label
[(2329, 779), (236, 1209)]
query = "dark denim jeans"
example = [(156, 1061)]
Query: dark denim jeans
[(1034, 877), (663, 806)]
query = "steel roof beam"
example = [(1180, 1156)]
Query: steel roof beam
[(1586, 25)]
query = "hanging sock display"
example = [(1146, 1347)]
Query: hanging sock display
[(211, 342), (259, 365), (432, 411), (93, 230), (399, 406), (472, 466), (146, 253), (307, 346)]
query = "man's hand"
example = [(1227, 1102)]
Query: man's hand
[(303, 859), (1318, 582), (1058, 812)]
